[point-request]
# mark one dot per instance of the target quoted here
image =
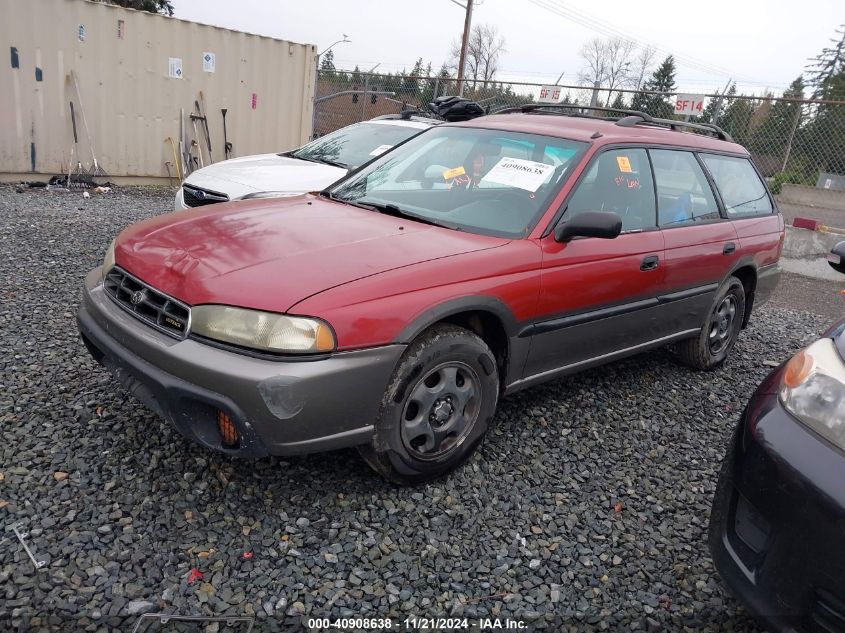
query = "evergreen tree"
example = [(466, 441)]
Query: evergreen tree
[(618, 102), (826, 67), (662, 80), (165, 7), (736, 119), (427, 89), (327, 65), (822, 140), (716, 106), (410, 87), (772, 134)]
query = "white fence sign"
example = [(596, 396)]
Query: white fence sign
[(549, 94), (691, 105)]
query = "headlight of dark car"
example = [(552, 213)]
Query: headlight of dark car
[(813, 390)]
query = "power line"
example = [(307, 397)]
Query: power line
[(595, 24), (606, 28)]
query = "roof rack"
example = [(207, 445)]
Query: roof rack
[(636, 119), (630, 118)]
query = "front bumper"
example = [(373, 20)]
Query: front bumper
[(777, 529), (179, 200), (279, 407)]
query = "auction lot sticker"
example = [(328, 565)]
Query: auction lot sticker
[(381, 149), (515, 172)]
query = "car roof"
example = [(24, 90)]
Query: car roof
[(584, 128), (415, 122)]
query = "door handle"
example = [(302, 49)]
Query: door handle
[(649, 262), (729, 248)]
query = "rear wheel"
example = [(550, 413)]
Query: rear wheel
[(437, 407), (718, 335)]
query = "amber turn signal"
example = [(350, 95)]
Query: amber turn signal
[(797, 369), (228, 431)]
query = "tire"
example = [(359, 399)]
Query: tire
[(437, 407), (718, 335)]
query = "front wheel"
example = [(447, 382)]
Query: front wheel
[(437, 407), (711, 347)]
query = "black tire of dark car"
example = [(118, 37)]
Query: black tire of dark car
[(437, 408), (718, 335)]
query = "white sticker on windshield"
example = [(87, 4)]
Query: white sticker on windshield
[(515, 172), (381, 149)]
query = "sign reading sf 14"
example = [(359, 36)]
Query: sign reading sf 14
[(691, 105)]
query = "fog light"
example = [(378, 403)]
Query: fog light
[(228, 431)]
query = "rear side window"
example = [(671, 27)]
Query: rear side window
[(741, 188), (683, 192), (619, 181)]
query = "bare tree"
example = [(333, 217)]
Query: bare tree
[(614, 63), (619, 52), (484, 48), (642, 65), (595, 60)]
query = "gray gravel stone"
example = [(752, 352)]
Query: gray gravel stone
[(137, 607), (587, 502)]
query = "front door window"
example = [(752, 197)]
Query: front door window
[(620, 181)]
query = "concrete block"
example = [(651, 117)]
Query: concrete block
[(805, 253)]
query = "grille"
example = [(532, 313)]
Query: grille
[(197, 197), (147, 303)]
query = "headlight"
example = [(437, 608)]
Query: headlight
[(813, 390), (265, 331), (108, 260)]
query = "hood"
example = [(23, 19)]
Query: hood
[(270, 254), (238, 177)]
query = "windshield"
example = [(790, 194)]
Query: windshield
[(492, 182), (352, 146)]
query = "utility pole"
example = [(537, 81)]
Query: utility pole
[(464, 41)]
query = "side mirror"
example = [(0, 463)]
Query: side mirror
[(836, 258), (603, 224)]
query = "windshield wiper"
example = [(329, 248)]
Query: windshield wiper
[(391, 209), (336, 198), (333, 163)]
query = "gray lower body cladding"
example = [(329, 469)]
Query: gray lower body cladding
[(279, 407)]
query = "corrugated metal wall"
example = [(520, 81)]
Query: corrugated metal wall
[(130, 101)]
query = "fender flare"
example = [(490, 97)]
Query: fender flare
[(432, 315), (746, 261)]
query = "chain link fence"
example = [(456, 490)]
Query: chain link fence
[(797, 141)]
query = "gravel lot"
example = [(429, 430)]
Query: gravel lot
[(586, 508)]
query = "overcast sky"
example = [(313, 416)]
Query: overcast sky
[(760, 44)]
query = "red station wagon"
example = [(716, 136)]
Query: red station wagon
[(392, 311)]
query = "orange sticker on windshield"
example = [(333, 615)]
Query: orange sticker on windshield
[(453, 173), (624, 164)]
